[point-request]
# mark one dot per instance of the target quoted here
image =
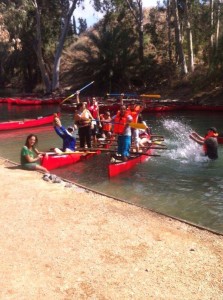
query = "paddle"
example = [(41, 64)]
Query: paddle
[(132, 124), (135, 95), (137, 125), (76, 92), (127, 95), (152, 146), (74, 152), (115, 149), (150, 96), (157, 136), (142, 153)]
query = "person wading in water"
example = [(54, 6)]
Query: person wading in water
[(209, 142)]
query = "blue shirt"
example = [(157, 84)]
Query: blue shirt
[(68, 140)]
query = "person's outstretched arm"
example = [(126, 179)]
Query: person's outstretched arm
[(197, 138)]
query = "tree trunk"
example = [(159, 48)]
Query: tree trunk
[(169, 31), (56, 67), (179, 44), (38, 50), (218, 24), (138, 16), (189, 40), (212, 23), (141, 33)]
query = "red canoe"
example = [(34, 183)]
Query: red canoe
[(25, 123), (116, 168), (220, 139), (54, 161), (24, 101), (203, 107)]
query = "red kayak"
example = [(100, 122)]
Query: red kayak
[(203, 107), (54, 161), (220, 139), (25, 101), (117, 167), (25, 123)]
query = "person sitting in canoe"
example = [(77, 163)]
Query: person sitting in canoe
[(121, 127), (30, 156), (141, 137), (69, 141), (209, 142)]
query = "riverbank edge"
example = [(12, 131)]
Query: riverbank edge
[(200, 227)]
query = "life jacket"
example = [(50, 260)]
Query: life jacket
[(120, 122), (93, 110), (105, 126), (83, 123), (134, 113)]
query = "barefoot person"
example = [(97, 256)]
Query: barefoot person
[(209, 142), (30, 156)]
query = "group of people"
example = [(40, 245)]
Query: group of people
[(91, 125)]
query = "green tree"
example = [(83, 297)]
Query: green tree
[(82, 25), (108, 56), (132, 7)]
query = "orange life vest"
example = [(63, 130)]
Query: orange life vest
[(134, 113), (105, 126), (120, 122)]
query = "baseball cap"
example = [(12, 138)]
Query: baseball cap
[(70, 128)]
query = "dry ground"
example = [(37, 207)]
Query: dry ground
[(69, 243)]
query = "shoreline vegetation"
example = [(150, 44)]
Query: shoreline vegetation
[(72, 243)]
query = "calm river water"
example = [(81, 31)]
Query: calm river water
[(181, 182)]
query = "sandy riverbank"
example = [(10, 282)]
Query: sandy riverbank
[(68, 243)]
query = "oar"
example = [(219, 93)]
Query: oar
[(127, 95), (74, 152), (132, 152), (142, 153), (156, 136), (112, 150), (137, 125), (152, 146), (76, 92), (150, 96), (133, 125)]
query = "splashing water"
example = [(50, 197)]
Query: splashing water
[(182, 147)]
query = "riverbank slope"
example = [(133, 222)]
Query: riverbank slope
[(70, 243)]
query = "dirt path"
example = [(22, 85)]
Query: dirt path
[(67, 243)]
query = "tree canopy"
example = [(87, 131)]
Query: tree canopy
[(130, 48)]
